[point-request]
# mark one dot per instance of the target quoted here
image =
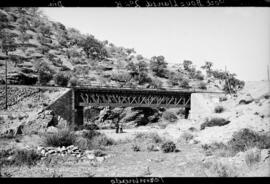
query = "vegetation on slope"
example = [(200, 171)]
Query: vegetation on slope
[(40, 51)]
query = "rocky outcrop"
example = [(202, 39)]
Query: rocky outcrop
[(246, 99), (26, 78)]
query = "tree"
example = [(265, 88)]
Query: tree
[(208, 67), (142, 66), (159, 66), (175, 78), (61, 79), (187, 65), (44, 29), (93, 48), (45, 73), (130, 51)]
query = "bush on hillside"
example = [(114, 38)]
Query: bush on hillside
[(187, 64), (184, 83), (241, 141), (159, 66), (73, 81), (246, 138), (142, 78), (45, 73), (61, 79), (232, 85), (61, 138), (252, 157), (93, 48), (202, 85), (175, 78), (155, 83), (19, 157), (135, 147), (214, 122), (219, 109), (168, 147), (199, 75), (93, 139)]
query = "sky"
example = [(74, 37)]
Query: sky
[(238, 38)]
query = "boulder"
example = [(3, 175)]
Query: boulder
[(40, 123), (61, 123), (246, 99)]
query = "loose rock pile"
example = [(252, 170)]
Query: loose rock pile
[(71, 151), (15, 95)]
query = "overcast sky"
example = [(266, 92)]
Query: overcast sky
[(236, 37)]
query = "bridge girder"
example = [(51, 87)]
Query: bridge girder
[(116, 98)]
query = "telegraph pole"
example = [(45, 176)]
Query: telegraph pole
[(268, 73), (6, 84)]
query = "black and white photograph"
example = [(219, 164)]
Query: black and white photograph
[(140, 92)]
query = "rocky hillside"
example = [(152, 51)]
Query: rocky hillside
[(40, 51)]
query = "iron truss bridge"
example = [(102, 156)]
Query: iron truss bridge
[(127, 97)]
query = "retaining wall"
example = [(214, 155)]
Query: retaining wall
[(63, 106), (203, 104)]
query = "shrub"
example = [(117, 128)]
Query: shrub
[(121, 77), (219, 149), (139, 57), (184, 83), (246, 138), (61, 79), (175, 78), (102, 140), (202, 85), (28, 157), (223, 98), (222, 170), (45, 73), (219, 109), (159, 66), (252, 157), (199, 75), (135, 148), (90, 134), (91, 126), (73, 81), (241, 141), (169, 116), (152, 147), (155, 83), (186, 137), (62, 138), (168, 146), (214, 122), (93, 140), (187, 65), (232, 84), (153, 137), (20, 157), (99, 153), (93, 48)]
